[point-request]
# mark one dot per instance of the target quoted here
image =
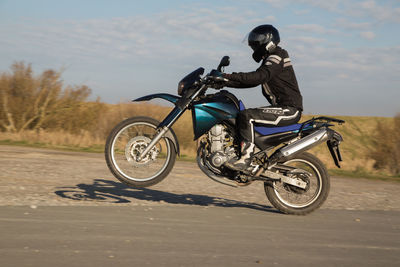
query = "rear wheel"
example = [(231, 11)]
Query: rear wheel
[(294, 200), (125, 144)]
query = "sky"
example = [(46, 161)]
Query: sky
[(346, 53)]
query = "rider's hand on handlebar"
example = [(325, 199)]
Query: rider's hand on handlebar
[(218, 79), (218, 85), (217, 76)]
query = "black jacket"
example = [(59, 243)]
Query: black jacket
[(277, 79)]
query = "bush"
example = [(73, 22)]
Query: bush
[(386, 152), (31, 102)]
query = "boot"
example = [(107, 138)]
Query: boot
[(244, 162)]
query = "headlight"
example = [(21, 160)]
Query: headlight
[(189, 80), (181, 86)]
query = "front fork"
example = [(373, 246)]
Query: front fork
[(153, 142), (181, 105), (162, 129)]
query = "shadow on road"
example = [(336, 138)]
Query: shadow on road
[(113, 192)]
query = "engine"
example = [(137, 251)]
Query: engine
[(221, 146)]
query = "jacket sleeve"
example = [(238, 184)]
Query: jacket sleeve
[(236, 84), (271, 67)]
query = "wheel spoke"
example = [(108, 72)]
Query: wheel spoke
[(129, 143), (297, 197)]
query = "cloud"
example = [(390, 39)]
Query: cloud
[(305, 40), (382, 12), (310, 28), (302, 12), (347, 24), (324, 60), (331, 5), (367, 35), (172, 33), (329, 53), (274, 3)]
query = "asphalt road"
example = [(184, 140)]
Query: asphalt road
[(66, 209), (196, 236)]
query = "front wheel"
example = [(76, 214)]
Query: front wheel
[(125, 144), (293, 200)]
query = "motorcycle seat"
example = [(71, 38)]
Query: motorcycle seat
[(263, 130)]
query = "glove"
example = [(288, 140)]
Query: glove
[(218, 85), (219, 80), (215, 73), (218, 76)]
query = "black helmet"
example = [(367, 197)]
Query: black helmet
[(263, 39)]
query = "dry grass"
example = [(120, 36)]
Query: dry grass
[(52, 139), (40, 110), (106, 121), (357, 133)]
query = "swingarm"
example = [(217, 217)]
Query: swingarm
[(274, 177)]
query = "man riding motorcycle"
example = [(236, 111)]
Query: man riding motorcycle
[(279, 85)]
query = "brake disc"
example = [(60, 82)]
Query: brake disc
[(135, 147)]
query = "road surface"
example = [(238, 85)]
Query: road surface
[(66, 209)]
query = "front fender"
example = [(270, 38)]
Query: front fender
[(172, 136), (171, 98)]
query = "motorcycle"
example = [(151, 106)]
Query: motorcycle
[(141, 151)]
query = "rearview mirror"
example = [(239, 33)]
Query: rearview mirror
[(225, 61)]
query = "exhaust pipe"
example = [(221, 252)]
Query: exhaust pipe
[(302, 144)]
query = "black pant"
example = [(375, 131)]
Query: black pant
[(267, 116)]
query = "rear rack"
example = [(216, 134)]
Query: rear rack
[(336, 138), (328, 119), (319, 119)]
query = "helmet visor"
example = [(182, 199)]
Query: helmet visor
[(255, 40), (259, 37)]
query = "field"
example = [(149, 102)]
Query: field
[(40, 111), (357, 132)]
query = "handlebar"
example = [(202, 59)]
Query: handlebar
[(216, 76)]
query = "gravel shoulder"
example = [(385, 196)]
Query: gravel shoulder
[(41, 177)]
